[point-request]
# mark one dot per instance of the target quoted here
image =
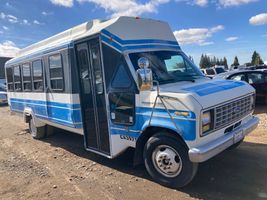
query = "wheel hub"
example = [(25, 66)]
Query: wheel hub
[(167, 161)]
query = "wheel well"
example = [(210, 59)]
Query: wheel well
[(27, 117), (149, 132)]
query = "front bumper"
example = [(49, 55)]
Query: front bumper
[(207, 151)]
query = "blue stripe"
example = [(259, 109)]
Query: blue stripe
[(47, 103), (214, 87), (125, 42), (160, 118), (121, 45), (53, 111), (163, 112)]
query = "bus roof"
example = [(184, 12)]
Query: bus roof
[(124, 28)]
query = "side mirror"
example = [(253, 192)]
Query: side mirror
[(144, 75)]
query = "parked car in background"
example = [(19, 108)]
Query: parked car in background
[(211, 72), (256, 78), (3, 94)]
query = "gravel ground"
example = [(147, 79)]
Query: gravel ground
[(59, 168)]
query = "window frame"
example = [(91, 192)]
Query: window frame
[(31, 78), (16, 82), (62, 68), (32, 75)]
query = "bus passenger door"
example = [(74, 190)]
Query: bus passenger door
[(92, 94)]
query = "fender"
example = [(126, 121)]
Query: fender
[(28, 113)]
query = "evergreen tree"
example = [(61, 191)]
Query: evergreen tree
[(201, 62), (236, 62), (225, 63), (256, 59)]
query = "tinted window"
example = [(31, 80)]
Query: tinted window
[(256, 78), (219, 70), (17, 78), (210, 72), (84, 71), (9, 74), (37, 74), (56, 72), (27, 81), (238, 77), (96, 61), (121, 79)]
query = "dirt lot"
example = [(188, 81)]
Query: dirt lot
[(59, 168)]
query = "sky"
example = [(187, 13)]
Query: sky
[(214, 27)]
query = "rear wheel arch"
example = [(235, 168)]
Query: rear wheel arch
[(148, 133)]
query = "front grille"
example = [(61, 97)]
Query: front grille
[(231, 112)]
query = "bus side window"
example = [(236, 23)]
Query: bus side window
[(17, 78), (26, 76), (56, 72), (37, 75), (10, 82)]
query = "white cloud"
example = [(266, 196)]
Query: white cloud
[(64, 3), (8, 49), (127, 8), (1, 32), (2, 15), (197, 35), (47, 13), (25, 22), (5, 28), (12, 19), (259, 19), (37, 22), (201, 2), (231, 39), (217, 28), (228, 3)]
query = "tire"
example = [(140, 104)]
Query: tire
[(36, 132), (181, 170), (234, 146)]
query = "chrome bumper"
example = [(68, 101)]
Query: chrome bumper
[(207, 151)]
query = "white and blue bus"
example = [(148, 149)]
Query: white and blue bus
[(125, 83)]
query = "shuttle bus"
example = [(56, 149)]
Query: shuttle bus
[(125, 83)]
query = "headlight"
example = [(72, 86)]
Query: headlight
[(207, 122)]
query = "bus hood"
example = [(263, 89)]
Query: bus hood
[(210, 93)]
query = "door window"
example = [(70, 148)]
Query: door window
[(96, 62), (84, 71)]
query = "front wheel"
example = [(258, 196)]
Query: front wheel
[(166, 160)]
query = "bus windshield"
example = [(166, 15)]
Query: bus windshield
[(168, 66)]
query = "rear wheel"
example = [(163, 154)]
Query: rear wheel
[(36, 132), (166, 160)]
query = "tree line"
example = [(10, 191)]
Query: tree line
[(207, 61)]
